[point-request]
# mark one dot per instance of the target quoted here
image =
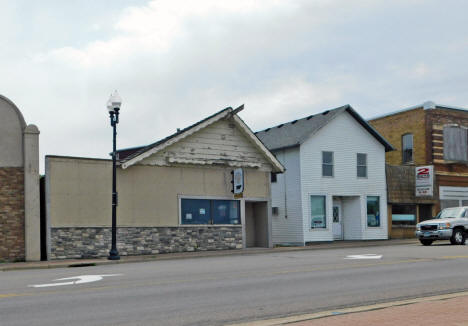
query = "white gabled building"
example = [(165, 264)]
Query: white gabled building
[(334, 187)]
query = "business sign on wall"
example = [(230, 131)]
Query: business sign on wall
[(424, 181), (237, 182)]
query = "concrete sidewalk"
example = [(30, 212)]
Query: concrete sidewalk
[(249, 251)]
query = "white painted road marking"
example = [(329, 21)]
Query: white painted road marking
[(365, 256), (79, 280)]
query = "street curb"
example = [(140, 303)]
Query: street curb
[(344, 311), (74, 263)]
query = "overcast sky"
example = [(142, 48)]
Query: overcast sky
[(175, 62)]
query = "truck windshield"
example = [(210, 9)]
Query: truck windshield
[(452, 212)]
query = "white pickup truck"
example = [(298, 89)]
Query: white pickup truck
[(450, 224)]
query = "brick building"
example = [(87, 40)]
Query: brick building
[(19, 186), (429, 135)]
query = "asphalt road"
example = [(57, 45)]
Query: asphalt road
[(224, 290)]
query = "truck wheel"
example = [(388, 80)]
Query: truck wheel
[(426, 242), (458, 237)]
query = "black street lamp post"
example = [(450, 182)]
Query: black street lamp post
[(113, 106)]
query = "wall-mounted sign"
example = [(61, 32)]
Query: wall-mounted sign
[(424, 181), (237, 181)]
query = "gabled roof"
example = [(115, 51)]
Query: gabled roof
[(293, 133), (131, 156)]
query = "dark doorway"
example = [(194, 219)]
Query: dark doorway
[(256, 224), (43, 219), (425, 212)]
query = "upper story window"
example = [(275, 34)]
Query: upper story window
[(361, 165), (273, 177), (327, 164), (407, 148), (455, 144)]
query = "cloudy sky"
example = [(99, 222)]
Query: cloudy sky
[(175, 62)]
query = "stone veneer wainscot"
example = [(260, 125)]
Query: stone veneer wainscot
[(90, 242)]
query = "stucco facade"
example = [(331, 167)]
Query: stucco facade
[(79, 190)]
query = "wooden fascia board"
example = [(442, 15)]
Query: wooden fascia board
[(174, 140), (271, 158)]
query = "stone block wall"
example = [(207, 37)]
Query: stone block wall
[(90, 242), (12, 214)]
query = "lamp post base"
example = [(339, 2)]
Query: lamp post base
[(113, 255)]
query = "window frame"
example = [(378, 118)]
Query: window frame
[(358, 166), (332, 164), (325, 227), (367, 212), (403, 148), (209, 198)]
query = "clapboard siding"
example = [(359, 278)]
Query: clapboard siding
[(220, 142), (286, 195), (345, 137)]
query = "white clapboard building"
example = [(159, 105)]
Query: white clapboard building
[(334, 187)]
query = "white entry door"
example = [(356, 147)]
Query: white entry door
[(337, 221)]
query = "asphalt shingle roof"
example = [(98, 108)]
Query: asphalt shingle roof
[(293, 133)]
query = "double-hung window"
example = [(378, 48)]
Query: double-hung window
[(210, 211), (361, 165), (407, 148), (327, 164)]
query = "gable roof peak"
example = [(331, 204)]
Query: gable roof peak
[(146, 151), (293, 133)]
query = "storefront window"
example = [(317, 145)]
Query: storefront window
[(225, 212), (318, 212), (209, 211), (447, 203), (403, 214), (373, 211)]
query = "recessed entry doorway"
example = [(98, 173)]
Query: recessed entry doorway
[(346, 218), (256, 224), (337, 225)]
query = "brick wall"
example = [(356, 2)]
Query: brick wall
[(393, 127), (11, 214)]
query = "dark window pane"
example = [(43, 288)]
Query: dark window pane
[(273, 177), (361, 159), (318, 212), (403, 214), (362, 171), (407, 148), (195, 211), (327, 170), (327, 157), (226, 212), (373, 211)]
